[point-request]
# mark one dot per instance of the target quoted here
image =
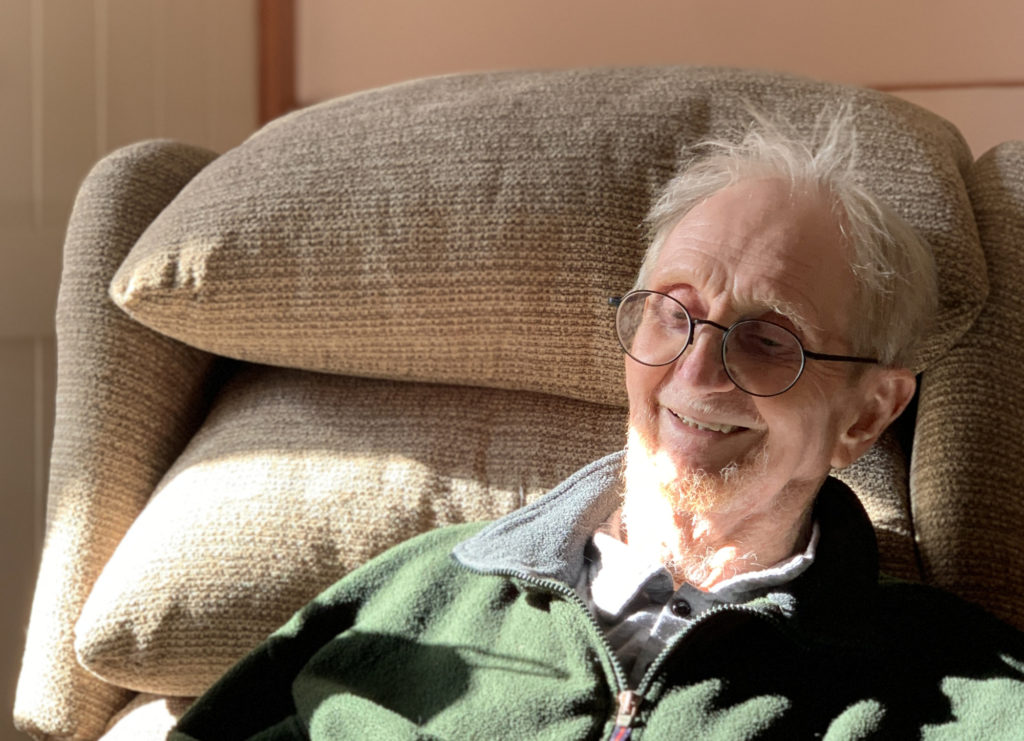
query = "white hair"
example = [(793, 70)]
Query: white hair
[(897, 292)]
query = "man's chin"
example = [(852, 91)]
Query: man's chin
[(687, 490)]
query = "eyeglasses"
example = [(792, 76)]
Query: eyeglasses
[(760, 357)]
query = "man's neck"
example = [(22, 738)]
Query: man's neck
[(706, 549)]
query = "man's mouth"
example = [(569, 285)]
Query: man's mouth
[(706, 426)]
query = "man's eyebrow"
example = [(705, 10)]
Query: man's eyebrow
[(790, 312)]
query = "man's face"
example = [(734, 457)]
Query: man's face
[(756, 250)]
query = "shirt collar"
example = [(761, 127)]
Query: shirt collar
[(618, 573)]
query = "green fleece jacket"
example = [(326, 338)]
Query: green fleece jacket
[(472, 632)]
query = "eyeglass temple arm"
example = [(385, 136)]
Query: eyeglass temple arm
[(614, 301), (842, 358)]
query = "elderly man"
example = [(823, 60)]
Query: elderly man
[(711, 581)]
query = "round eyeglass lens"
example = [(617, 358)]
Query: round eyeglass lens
[(653, 328), (762, 358)]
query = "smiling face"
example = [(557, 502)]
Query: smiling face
[(757, 250)]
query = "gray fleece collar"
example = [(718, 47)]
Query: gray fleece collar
[(546, 539), (533, 540)]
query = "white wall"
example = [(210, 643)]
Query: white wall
[(80, 78), (955, 49)]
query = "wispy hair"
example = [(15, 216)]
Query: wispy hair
[(896, 292)]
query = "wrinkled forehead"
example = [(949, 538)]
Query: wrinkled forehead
[(762, 246)]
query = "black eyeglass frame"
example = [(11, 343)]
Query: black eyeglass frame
[(616, 302)]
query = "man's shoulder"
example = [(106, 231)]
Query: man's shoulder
[(420, 563), (428, 550), (940, 625), (958, 663), (915, 600)]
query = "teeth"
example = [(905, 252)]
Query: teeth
[(706, 426)]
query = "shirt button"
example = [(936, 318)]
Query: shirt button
[(681, 608)]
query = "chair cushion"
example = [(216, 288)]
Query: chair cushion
[(295, 479), (469, 229)]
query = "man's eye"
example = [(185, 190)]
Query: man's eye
[(675, 320), (765, 341)]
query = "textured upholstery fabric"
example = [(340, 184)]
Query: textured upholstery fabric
[(469, 229), (127, 402), (968, 469), (296, 478)]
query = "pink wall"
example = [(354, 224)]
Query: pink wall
[(969, 56)]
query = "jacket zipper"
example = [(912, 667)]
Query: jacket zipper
[(628, 701), (670, 647), (629, 704)]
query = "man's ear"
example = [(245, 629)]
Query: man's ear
[(883, 393)]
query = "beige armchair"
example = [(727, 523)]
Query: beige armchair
[(388, 312)]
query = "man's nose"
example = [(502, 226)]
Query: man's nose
[(701, 365)]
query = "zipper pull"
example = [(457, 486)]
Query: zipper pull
[(629, 704)]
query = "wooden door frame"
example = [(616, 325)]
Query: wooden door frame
[(276, 58)]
